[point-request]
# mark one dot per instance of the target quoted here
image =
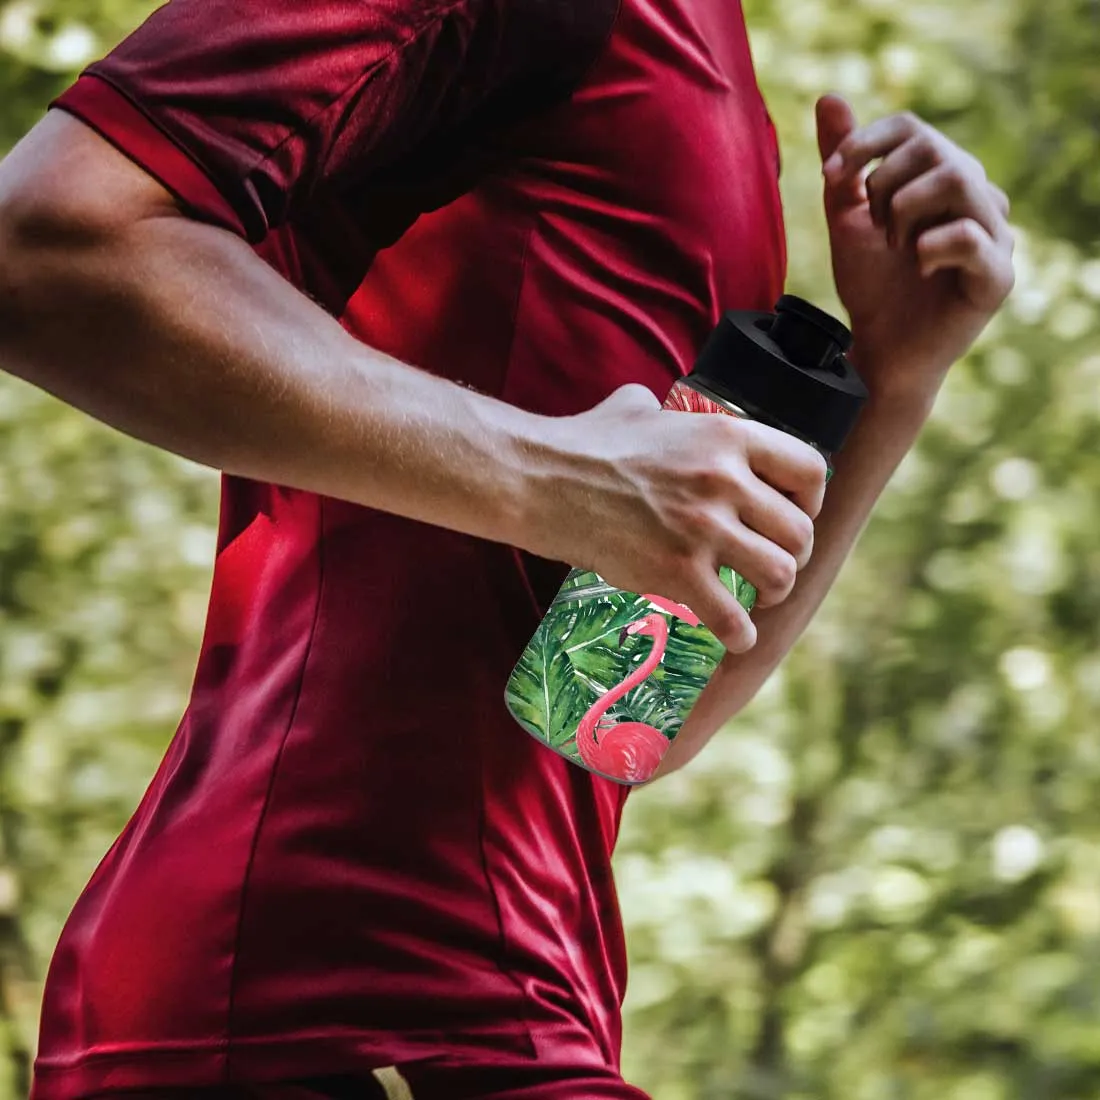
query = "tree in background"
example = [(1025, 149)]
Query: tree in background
[(883, 881)]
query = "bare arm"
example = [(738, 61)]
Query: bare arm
[(178, 334), (175, 332), (879, 442), (917, 301)]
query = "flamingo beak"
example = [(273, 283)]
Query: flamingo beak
[(624, 634)]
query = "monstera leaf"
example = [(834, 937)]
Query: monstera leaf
[(652, 703), (582, 584), (591, 637), (577, 655), (573, 658), (543, 692)]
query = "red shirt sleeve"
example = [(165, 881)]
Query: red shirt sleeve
[(244, 108)]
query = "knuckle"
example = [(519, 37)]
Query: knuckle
[(727, 623), (705, 482), (816, 469), (707, 527), (685, 523), (778, 574), (744, 638), (718, 481), (931, 151), (974, 167), (724, 435), (970, 235), (635, 395), (956, 180), (804, 537)]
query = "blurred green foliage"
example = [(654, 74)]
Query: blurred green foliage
[(883, 881)]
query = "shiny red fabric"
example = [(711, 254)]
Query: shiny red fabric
[(351, 856), (430, 1079)]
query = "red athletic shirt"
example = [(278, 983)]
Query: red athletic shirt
[(351, 855)]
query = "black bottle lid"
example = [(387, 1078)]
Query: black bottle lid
[(788, 368)]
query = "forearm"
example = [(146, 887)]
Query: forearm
[(885, 432), (176, 333)]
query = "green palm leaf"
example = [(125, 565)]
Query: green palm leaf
[(576, 656), (543, 692)]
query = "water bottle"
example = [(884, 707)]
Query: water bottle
[(610, 676)]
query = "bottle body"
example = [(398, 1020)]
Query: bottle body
[(610, 676)]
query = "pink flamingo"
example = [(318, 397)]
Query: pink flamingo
[(629, 751), (681, 611)]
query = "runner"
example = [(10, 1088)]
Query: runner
[(414, 275)]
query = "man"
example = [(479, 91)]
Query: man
[(414, 274)]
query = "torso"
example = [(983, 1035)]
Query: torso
[(351, 852)]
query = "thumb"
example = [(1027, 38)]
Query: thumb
[(835, 121), (632, 397)]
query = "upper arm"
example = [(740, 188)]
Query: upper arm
[(64, 178), (244, 109)]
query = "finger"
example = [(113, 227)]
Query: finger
[(787, 464), (865, 144), (947, 193), (779, 520), (835, 121), (985, 265), (769, 568), (908, 161), (726, 619)]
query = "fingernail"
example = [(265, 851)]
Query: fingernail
[(832, 165)]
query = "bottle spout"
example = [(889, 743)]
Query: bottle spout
[(808, 336)]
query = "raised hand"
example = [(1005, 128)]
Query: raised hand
[(921, 247), (655, 501)]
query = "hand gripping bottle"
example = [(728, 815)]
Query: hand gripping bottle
[(610, 676)]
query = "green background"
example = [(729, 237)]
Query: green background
[(883, 881)]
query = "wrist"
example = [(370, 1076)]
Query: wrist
[(544, 461), (897, 390)]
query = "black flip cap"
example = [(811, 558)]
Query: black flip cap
[(787, 368)]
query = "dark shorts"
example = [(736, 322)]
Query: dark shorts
[(428, 1080)]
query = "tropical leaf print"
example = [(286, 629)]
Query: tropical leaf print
[(543, 693), (580, 653), (577, 667)]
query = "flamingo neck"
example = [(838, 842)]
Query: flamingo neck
[(599, 708)]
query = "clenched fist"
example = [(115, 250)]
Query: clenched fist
[(921, 246)]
